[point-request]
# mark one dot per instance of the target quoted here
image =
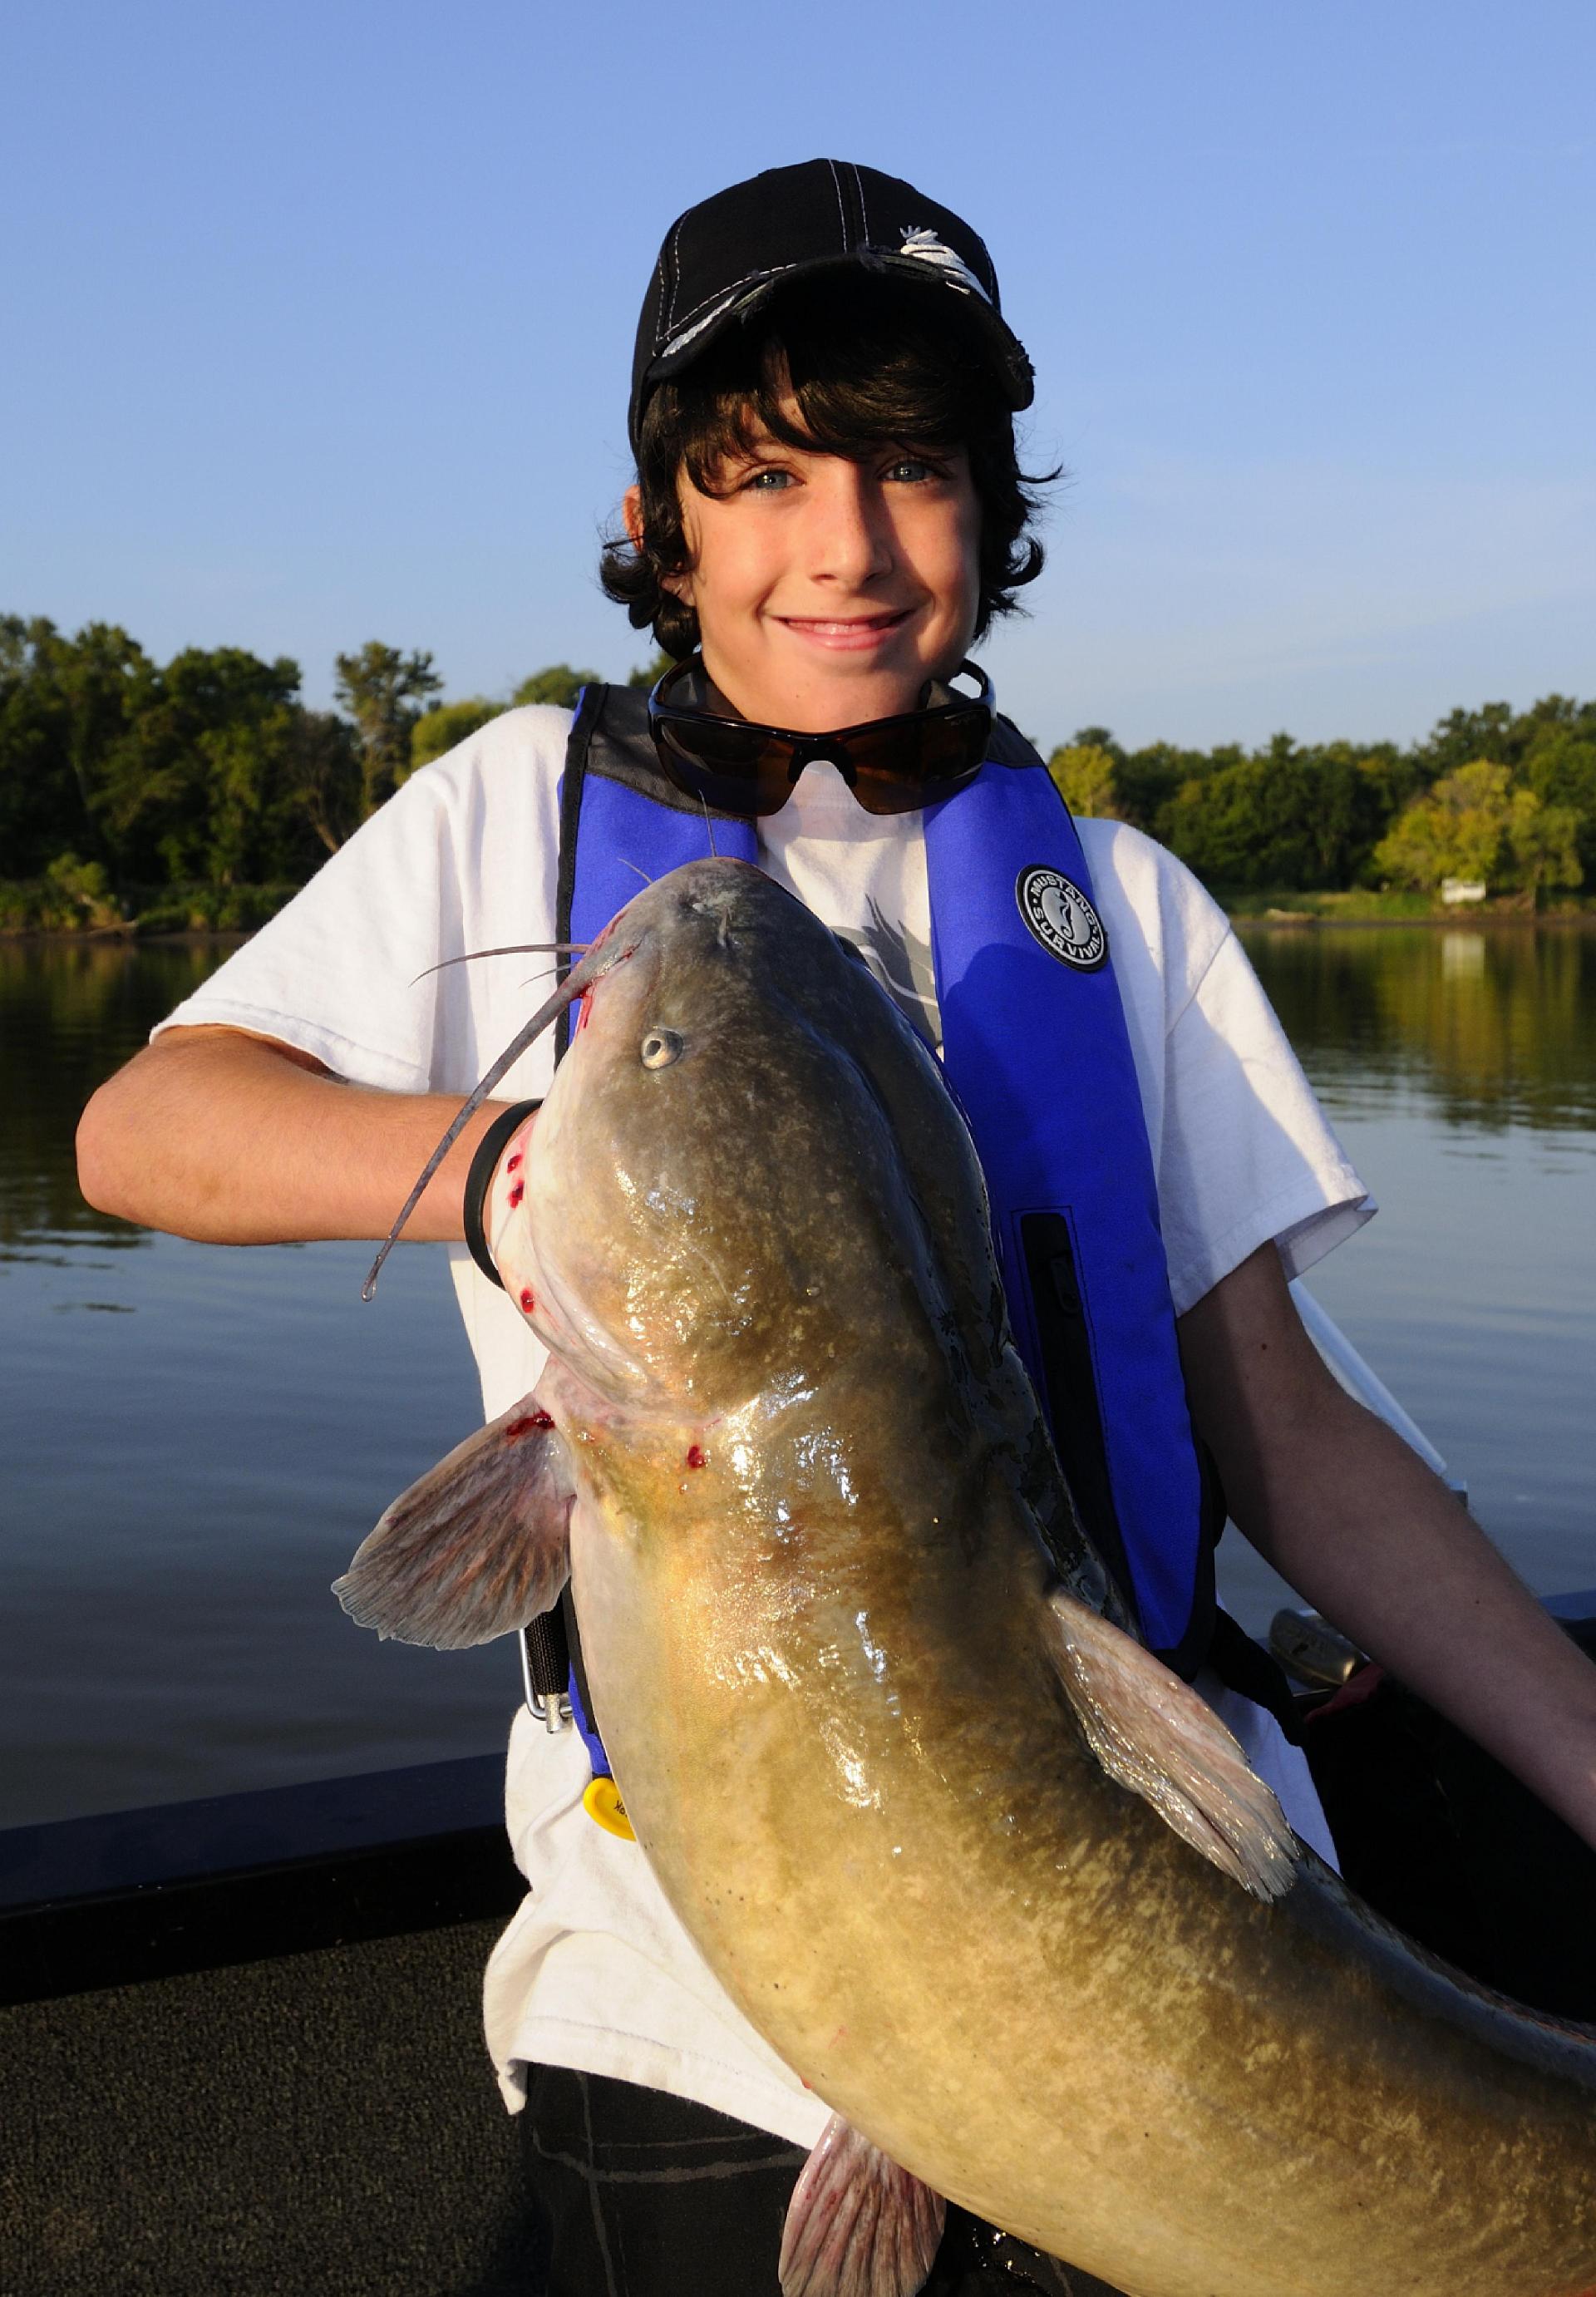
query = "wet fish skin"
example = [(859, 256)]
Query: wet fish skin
[(814, 1541)]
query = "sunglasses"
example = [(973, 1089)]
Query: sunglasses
[(893, 765)]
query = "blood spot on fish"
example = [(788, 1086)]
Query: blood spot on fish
[(517, 1193), (696, 1456), (527, 1301), (511, 1162), (526, 1424)]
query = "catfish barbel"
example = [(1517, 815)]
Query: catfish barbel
[(1000, 1888)]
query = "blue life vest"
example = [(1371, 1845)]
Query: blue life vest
[(1035, 1047)]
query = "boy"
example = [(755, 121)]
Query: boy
[(828, 509)]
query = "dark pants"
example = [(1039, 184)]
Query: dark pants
[(645, 2195)]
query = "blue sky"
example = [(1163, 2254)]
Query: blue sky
[(319, 319)]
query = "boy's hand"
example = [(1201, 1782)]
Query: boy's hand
[(496, 1184)]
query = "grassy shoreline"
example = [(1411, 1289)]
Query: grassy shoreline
[(1280, 906), (75, 906), (230, 914)]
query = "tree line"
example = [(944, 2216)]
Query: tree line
[(203, 790), (200, 791), (1493, 796)]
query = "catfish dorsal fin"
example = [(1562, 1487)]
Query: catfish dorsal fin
[(857, 2225), (1161, 1739), (477, 1547)]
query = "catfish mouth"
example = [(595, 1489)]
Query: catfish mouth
[(612, 1243), (603, 955), (619, 943)]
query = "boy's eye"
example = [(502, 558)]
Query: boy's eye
[(909, 469), (766, 481)]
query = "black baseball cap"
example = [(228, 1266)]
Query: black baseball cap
[(725, 257)]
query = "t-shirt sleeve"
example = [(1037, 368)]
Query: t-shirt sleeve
[(1246, 1153), (338, 973)]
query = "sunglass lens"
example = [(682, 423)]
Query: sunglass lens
[(901, 768), (736, 769)]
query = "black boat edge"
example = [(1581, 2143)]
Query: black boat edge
[(134, 1894)]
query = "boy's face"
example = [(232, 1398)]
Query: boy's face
[(828, 591)]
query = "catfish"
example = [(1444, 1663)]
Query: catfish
[(998, 1886)]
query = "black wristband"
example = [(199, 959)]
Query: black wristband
[(489, 1149)]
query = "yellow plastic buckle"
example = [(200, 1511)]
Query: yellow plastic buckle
[(603, 1804)]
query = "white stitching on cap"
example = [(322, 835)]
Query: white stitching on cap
[(837, 185), (675, 272), (743, 286), (864, 210), (689, 328), (725, 299)]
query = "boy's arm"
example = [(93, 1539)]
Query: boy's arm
[(1344, 1510), (232, 1138)]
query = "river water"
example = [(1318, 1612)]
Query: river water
[(192, 1440)]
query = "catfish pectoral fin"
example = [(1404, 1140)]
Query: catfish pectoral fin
[(477, 1547), (856, 2224), (1155, 1735)]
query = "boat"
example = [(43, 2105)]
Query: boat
[(242, 2036)]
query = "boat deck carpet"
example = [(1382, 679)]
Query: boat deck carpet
[(324, 2122)]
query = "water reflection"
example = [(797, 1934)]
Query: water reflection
[(70, 1012), (1495, 1028), (193, 1441)]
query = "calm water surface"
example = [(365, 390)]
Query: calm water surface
[(194, 1440)]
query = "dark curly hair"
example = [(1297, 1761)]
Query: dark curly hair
[(869, 364)]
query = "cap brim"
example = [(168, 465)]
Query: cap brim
[(968, 307)]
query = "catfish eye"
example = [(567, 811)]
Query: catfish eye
[(660, 1048)]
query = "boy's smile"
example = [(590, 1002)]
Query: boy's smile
[(828, 591)]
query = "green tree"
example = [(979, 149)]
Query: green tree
[(67, 705), (559, 684), (198, 786), (1095, 737), (259, 831), (1284, 817), (381, 690), (1147, 781), (448, 723), (324, 780), (1560, 767), (1388, 778), (1084, 772), (1457, 829), (77, 893), (1542, 846), (42, 810), (1465, 737)]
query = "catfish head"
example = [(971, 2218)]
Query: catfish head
[(747, 1168), (748, 1197)]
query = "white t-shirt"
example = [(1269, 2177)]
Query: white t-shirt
[(594, 1971)]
